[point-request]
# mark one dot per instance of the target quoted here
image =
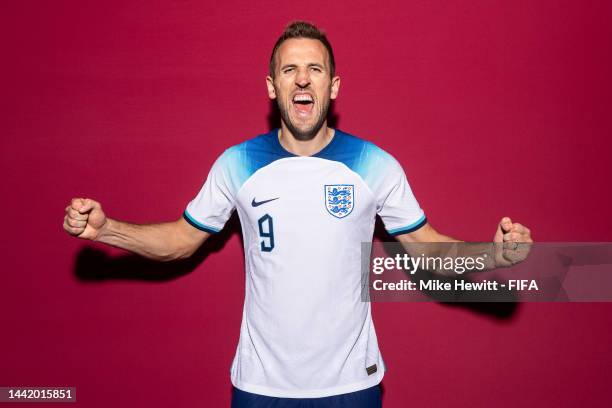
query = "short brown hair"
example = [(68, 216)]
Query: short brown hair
[(302, 29)]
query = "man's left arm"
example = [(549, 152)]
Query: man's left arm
[(510, 243)]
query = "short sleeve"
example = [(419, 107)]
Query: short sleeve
[(395, 203), (215, 202), (399, 208)]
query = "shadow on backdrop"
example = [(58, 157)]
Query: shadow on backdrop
[(501, 311), (94, 265)]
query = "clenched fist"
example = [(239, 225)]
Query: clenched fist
[(512, 242), (84, 218)]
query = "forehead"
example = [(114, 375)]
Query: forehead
[(305, 50)]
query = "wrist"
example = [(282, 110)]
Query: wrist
[(104, 231)]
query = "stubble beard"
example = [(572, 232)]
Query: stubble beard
[(303, 134)]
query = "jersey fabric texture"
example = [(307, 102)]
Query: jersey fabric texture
[(305, 331)]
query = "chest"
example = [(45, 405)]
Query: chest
[(306, 193)]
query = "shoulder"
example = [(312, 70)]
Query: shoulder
[(239, 162), (260, 145), (360, 155), (264, 142), (253, 153)]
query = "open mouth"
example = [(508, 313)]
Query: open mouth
[(303, 103)]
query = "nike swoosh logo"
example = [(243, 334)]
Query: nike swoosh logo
[(258, 203)]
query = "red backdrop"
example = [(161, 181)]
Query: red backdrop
[(493, 108)]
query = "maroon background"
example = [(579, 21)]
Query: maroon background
[(496, 108)]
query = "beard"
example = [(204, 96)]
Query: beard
[(307, 133)]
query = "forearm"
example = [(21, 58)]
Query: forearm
[(429, 243), (159, 242), (452, 258)]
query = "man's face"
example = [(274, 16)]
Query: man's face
[(302, 86)]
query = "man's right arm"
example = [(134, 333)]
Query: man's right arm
[(161, 242)]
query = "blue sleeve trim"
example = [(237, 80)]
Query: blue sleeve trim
[(409, 228), (199, 225)]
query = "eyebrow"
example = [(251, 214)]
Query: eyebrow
[(312, 64)]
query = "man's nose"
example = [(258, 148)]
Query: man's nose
[(302, 78)]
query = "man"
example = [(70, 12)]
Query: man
[(307, 196)]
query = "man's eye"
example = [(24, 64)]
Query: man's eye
[(317, 69), (287, 70)]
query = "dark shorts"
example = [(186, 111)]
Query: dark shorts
[(368, 398)]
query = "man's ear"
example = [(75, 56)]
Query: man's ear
[(335, 87), (270, 84)]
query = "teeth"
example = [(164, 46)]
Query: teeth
[(302, 98)]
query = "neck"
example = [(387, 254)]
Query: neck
[(305, 147)]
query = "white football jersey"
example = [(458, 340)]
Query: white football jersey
[(305, 331)]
